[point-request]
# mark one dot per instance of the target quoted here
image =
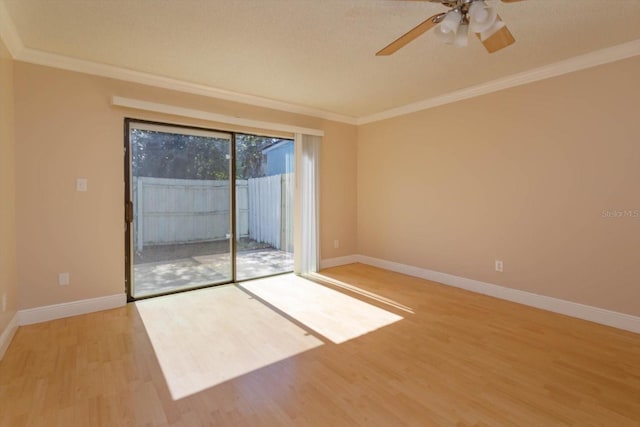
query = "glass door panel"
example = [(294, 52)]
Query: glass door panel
[(264, 206), (180, 221)]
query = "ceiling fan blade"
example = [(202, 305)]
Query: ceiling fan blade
[(411, 35), (498, 40), (432, 1)]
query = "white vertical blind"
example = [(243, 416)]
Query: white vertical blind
[(307, 253)]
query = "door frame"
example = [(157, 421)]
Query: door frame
[(129, 208)]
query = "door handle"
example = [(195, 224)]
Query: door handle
[(128, 212)]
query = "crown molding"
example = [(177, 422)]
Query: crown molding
[(577, 63), (103, 70), (19, 52)]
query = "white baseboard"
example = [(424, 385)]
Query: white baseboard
[(556, 305), (68, 309), (334, 262), (7, 335)]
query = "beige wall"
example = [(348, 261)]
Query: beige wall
[(66, 128), (522, 175), (8, 284), (338, 201)]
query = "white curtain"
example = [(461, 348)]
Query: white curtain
[(306, 250)]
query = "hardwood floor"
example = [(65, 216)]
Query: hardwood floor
[(454, 359)]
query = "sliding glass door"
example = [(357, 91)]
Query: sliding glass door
[(264, 194), (179, 208), (204, 207)]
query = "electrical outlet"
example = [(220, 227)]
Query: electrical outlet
[(63, 279), (336, 244), (81, 184), (499, 266)]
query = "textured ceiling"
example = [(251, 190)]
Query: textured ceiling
[(314, 53)]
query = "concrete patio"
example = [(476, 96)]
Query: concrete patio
[(150, 278)]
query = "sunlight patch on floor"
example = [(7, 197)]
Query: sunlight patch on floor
[(206, 337), (360, 291), (330, 313)]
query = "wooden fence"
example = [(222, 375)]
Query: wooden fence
[(173, 211)]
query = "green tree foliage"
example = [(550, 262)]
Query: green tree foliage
[(249, 158), (169, 155)]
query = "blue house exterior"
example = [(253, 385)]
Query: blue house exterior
[(279, 158)]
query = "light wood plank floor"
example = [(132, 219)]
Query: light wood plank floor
[(455, 359)]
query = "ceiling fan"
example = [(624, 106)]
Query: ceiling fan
[(478, 16)]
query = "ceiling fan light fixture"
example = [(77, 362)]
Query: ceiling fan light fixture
[(451, 22), (462, 36), (448, 29), (445, 37), (453, 27), (481, 16)]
